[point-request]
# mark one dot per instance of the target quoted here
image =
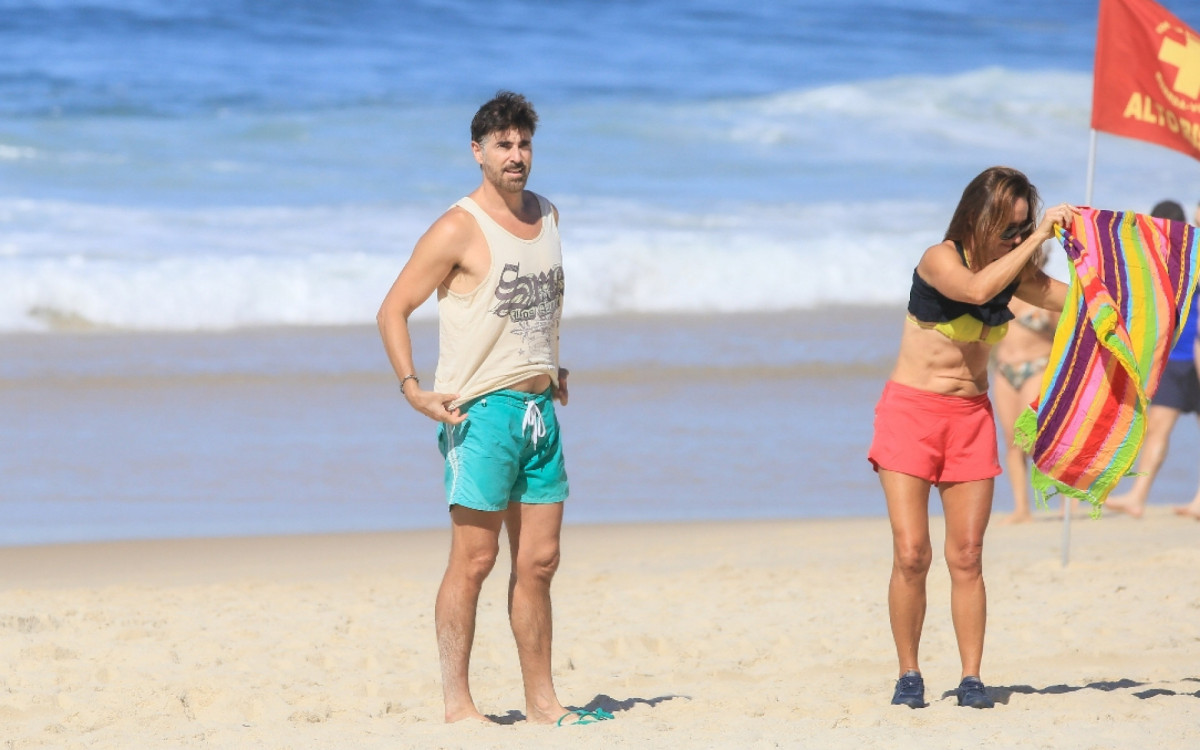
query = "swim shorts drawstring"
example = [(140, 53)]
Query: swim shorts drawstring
[(533, 422)]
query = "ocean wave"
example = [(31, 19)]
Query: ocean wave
[(66, 266), (980, 107), (14, 153), (907, 136), (918, 137)]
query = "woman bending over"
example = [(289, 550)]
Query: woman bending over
[(934, 423)]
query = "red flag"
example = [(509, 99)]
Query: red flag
[(1147, 79)]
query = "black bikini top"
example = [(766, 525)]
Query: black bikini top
[(928, 305)]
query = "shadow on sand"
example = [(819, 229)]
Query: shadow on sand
[(1003, 694), (606, 702)]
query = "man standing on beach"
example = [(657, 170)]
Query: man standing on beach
[(495, 261)]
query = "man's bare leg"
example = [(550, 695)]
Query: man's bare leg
[(533, 534), (1160, 420), (474, 543)]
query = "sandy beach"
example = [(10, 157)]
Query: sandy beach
[(224, 527), (246, 608), (750, 634)]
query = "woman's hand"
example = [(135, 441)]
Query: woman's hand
[(1062, 215)]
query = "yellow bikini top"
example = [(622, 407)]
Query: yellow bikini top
[(967, 328)]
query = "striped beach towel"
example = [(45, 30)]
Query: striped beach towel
[(1131, 283)]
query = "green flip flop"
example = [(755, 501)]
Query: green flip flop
[(585, 717)]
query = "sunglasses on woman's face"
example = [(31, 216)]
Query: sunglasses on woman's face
[(1017, 230)]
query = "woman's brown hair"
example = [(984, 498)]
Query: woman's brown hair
[(985, 210)]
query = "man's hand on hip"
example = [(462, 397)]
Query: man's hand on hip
[(435, 405), (560, 392)]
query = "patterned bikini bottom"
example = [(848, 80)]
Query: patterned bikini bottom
[(1016, 373)]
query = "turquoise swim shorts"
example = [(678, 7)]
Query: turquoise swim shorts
[(507, 451)]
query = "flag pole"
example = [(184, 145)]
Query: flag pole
[(1091, 170), (1087, 201), (1066, 541)]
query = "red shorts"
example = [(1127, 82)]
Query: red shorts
[(934, 437)]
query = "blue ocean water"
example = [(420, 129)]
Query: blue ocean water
[(225, 164), (178, 169)]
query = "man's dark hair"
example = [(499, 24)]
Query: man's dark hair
[(505, 111)]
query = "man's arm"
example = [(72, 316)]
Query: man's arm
[(560, 392), (436, 255)]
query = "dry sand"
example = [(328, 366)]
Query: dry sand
[(739, 635)]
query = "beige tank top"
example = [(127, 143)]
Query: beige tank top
[(506, 329)]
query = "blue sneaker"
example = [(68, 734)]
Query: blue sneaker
[(972, 694), (910, 690)]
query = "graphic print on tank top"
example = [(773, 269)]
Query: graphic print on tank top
[(531, 302)]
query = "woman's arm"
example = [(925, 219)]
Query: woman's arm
[(942, 269), (1043, 291)]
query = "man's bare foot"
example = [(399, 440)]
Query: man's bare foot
[(1191, 511), (471, 715), (1122, 504), (547, 716), (1016, 518)]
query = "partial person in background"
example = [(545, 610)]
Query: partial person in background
[(934, 423), (1020, 359), (1178, 393), (1193, 508)]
